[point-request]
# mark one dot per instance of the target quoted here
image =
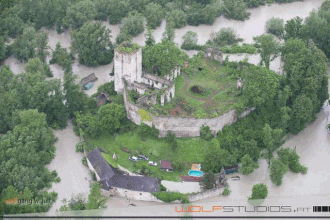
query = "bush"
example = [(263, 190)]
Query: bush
[(133, 95), (57, 179), (108, 87), (162, 188), (80, 147), (275, 26), (84, 161), (226, 192), (171, 196), (259, 191), (206, 133)]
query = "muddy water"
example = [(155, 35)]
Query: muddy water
[(75, 177)]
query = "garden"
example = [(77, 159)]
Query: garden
[(187, 151)]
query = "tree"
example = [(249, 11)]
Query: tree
[(79, 13), (98, 49), (217, 157), (77, 202), (75, 98), (277, 171), (236, 9), (177, 17), (145, 131), (111, 116), (259, 191), (206, 133), (169, 33), (294, 28), (154, 15), (248, 165), (251, 148), (190, 41), (102, 9), (301, 114), (225, 36), (267, 46), (95, 199), (108, 87), (150, 40), (271, 139), (208, 181), (117, 10), (3, 49), (24, 47), (260, 85), (62, 57), (275, 26), (291, 158), (89, 124), (42, 46), (133, 24), (164, 56), (123, 36)]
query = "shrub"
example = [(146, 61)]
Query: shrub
[(133, 95), (162, 188), (57, 179), (108, 87), (259, 191), (80, 147), (206, 133), (275, 26), (226, 192), (128, 47), (84, 161), (171, 196)]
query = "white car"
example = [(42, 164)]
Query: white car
[(134, 159), (152, 163)]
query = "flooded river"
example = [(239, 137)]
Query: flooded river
[(313, 144)]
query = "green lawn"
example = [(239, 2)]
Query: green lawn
[(190, 150), (216, 84)]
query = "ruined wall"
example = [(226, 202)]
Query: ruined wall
[(168, 94), (206, 194), (180, 126)]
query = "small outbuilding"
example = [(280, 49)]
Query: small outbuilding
[(166, 166)]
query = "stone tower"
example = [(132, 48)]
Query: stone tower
[(128, 66)]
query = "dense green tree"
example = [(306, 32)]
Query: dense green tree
[(177, 17), (77, 202), (111, 117), (206, 133), (79, 13), (75, 98), (154, 15), (277, 171), (260, 85), (272, 138), (102, 9), (302, 114), (139, 5), (117, 10), (251, 148), (267, 46), (208, 181), (24, 47), (123, 36), (62, 57), (217, 157), (236, 9), (164, 55), (89, 124), (248, 165), (225, 36), (294, 28), (275, 26), (93, 45), (108, 87), (146, 131), (259, 191), (256, 3), (190, 41), (133, 24)]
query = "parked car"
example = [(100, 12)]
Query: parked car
[(134, 159), (143, 157), (151, 163)]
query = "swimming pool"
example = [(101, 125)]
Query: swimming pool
[(195, 173)]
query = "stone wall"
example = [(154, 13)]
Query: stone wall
[(168, 94), (206, 194), (136, 195)]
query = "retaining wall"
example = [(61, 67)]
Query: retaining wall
[(206, 194)]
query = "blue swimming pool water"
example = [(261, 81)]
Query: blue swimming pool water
[(195, 173)]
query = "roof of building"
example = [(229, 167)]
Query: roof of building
[(156, 78), (136, 183), (110, 177), (164, 164), (101, 167)]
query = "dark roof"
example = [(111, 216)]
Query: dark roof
[(90, 78), (101, 167), (110, 177), (166, 165), (136, 183)]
